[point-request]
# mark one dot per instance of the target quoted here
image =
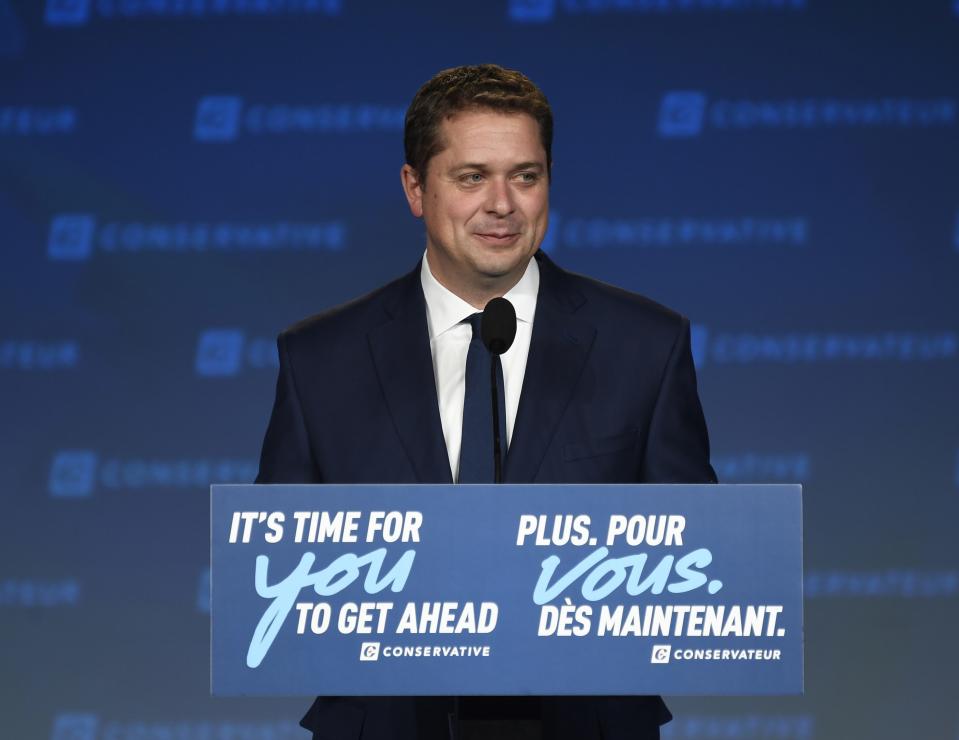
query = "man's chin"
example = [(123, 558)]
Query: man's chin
[(500, 261), (497, 269)]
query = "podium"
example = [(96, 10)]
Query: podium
[(525, 590)]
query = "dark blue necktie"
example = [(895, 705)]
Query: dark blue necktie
[(476, 449)]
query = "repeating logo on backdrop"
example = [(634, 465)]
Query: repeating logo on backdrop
[(31, 120), (543, 11), (87, 726), (551, 237), (223, 118), (895, 583), (532, 11), (660, 232), (698, 337), (791, 348), (79, 473), (74, 237), (681, 114), (32, 593), (688, 113), (80, 12), (75, 727), (67, 12), (223, 353), (38, 355), (218, 118), (71, 237), (72, 474), (219, 352), (762, 467), (740, 727)]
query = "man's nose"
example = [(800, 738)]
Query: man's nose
[(499, 197)]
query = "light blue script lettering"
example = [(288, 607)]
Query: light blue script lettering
[(605, 576), (331, 580)]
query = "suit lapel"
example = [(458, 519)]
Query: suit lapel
[(404, 365), (559, 347)]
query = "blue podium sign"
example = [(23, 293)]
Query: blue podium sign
[(486, 589)]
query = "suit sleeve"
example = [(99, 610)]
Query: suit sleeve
[(677, 448), (286, 455)]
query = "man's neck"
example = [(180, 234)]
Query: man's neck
[(477, 292)]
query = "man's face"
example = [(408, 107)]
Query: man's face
[(485, 201)]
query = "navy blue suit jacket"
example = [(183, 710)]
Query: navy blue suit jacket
[(609, 396)]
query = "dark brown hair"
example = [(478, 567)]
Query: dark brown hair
[(471, 87)]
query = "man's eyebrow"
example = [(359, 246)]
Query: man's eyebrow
[(530, 166), (469, 166), (484, 167)]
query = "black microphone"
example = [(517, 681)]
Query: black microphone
[(498, 330), (498, 327)]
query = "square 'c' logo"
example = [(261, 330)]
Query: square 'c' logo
[(74, 727), (661, 654), (219, 352), (217, 118), (72, 474), (67, 12), (370, 651), (681, 114), (71, 237), (532, 11)]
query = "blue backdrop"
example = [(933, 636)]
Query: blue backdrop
[(784, 172)]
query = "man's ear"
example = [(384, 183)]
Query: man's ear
[(413, 188)]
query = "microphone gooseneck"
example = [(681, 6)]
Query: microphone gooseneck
[(498, 330)]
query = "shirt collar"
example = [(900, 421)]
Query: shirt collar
[(445, 309)]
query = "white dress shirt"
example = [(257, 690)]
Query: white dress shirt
[(449, 343)]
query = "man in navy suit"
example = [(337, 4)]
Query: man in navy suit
[(599, 383)]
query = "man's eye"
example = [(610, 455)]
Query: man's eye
[(472, 178), (528, 177)]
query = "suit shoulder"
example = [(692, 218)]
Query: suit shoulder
[(347, 320), (608, 302)]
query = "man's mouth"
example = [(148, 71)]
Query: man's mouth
[(497, 238)]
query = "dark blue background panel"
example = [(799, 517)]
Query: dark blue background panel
[(783, 172)]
